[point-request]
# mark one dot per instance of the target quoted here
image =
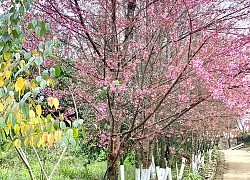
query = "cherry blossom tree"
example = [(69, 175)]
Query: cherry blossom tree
[(142, 65)]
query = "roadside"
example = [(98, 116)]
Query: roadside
[(220, 166), (233, 165)]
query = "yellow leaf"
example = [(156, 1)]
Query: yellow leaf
[(7, 74), (17, 143), (33, 86), (43, 144), (7, 66), (16, 129), (3, 134), (6, 55), (1, 107), (1, 81), (36, 139), (19, 117), (48, 82), (23, 40), (39, 143), (9, 98), (9, 30), (56, 103), (22, 63), (26, 141), (24, 129), (38, 110), (32, 114), (58, 135), (50, 139), (19, 85), (50, 101), (61, 117), (34, 52), (26, 83), (8, 124), (31, 142), (44, 137), (31, 101)]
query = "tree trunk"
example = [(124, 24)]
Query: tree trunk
[(162, 154), (137, 164), (112, 167), (112, 171), (146, 160)]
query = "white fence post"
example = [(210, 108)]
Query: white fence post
[(122, 172), (137, 174), (182, 168)]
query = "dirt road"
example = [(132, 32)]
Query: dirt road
[(237, 165)]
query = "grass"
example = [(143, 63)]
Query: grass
[(71, 166)]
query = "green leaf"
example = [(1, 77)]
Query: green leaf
[(15, 33), (38, 79), (45, 53), (29, 130), (69, 133), (45, 72), (5, 37), (26, 67), (52, 71), (12, 10), (47, 26), (35, 92), (50, 127), (2, 123), (57, 71), (40, 46), (22, 101), (25, 110), (83, 132), (12, 119), (75, 133), (39, 60), (56, 124), (42, 31), (27, 56), (21, 10), (34, 22), (75, 124), (80, 122), (27, 5), (38, 30), (72, 142), (62, 125), (43, 84), (30, 26), (30, 31), (65, 141), (48, 45)]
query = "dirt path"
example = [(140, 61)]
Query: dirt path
[(237, 165)]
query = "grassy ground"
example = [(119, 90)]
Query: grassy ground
[(71, 166)]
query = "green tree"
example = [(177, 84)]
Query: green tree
[(21, 113)]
